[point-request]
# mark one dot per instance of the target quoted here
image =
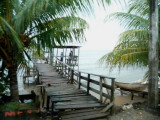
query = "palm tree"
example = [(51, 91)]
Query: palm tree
[(138, 41), (40, 23), (132, 47)]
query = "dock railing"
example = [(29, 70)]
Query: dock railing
[(87, 82)]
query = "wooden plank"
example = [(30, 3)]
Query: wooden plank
[(80, 106), (66, 96), (108, 107), (75, 102), (64, 93), (85, 116), (84, 78), (61, 113), (70, 95), (74, 98), (91, 112), (52, 91), (60, 99)]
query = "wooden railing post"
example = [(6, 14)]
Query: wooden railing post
[(59, 68), (65, 70), (72, 75), (101, 90), (79, 80), (112, 95), (62, 68), (68, 73), (56, 64), (37, 81), (88, 84)]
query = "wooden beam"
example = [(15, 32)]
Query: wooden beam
[(108, 107), (79, 80), (88, 83), (101, 90)]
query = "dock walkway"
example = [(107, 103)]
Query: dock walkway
[(64, 100)]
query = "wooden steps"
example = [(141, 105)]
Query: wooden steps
[(76, 104), (83, 114)]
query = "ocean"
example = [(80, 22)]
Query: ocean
[(88, 62)]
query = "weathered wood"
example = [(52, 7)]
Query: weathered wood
[(48, 100), (66, 93), (108, 107), (98, 92), (85, 115), (112, 96), (153, 55), (84, 78), (73, 98), (72, 76), (96, 82), (101, 90), (65, 96), (69, 73), (88, 83), (75, 102), (80, 106), (62, 113), (79, 80)]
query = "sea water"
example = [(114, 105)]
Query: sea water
[(88, 62)]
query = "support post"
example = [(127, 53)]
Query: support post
[(79, 80), (112, 95), (51, 56), (72, 75), (88, 84), (68, 73), (101, 90), (153, 55)]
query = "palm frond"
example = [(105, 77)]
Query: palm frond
[(126, 57), (59, 30), (11, 33), (140, 7), (130, 21)]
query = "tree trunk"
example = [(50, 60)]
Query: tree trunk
[(13, 84), (153, 56)]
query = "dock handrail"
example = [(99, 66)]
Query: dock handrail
[(71, 73), (82, 71)]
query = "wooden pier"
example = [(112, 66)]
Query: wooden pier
[(75, 95)]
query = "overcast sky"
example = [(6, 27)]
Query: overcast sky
[(102, 35)]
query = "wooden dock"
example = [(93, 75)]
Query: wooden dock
[(68, 93)]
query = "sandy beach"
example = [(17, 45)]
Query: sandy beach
[(135, 109)]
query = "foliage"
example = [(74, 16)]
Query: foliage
[(41, 24), (132, 47), (4, 83)]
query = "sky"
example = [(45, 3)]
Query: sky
[(102, 35)]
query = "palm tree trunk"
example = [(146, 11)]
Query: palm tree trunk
[(13, 83), (153, 56)]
